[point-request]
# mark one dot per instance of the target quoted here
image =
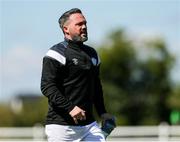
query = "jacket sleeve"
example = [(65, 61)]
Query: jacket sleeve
[(98, 98), (49, 87)]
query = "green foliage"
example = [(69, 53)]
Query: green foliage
[(136, 90), (6, 116), (32, 113), (173, 100)]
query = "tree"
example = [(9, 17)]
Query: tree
[(6, 116), (32, 113), (136, 88)]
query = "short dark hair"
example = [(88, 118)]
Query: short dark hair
[(65, 16)]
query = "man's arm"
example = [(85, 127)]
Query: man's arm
[(100, 107), (52, 92), (49, 87), (98, 98)]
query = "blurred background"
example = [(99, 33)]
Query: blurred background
[(137, 41)]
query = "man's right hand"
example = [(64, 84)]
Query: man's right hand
[(77, 113)]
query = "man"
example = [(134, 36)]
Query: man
[(70, 81)]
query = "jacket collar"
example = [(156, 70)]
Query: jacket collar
[(73, 44)]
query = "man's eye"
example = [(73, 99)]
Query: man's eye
[(80, 24)]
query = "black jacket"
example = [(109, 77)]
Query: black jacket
[(70, 77)]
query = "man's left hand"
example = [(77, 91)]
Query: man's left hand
[(108, 123)]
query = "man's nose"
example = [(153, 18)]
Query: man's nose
[(84, 27)]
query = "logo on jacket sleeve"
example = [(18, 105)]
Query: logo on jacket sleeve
[(75, 61)]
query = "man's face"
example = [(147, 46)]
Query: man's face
[(75, 28)]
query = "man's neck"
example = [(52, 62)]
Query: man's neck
[(73, 42)]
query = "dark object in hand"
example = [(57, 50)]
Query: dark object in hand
[(108, 126)]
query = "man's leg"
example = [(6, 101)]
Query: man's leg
[(93, 133), (58, 133)]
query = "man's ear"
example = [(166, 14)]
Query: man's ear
[(65, 29)]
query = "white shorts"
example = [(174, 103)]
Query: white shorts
[(58, 133)]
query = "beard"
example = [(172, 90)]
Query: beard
[(80, 38)]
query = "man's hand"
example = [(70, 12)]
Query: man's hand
[(108, 123), (77, 113), (107, 116)]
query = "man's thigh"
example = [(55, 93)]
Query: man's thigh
[(94, 133), (57, 133)]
